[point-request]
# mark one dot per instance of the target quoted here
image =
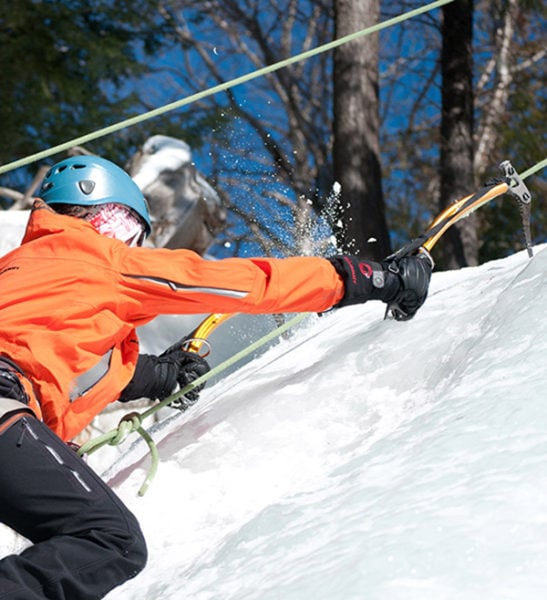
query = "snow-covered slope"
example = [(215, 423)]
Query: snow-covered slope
[(362, 458)]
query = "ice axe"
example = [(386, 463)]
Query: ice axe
[(511, 183)]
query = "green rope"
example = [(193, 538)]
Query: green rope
[(537, 167), (154, 461), (78, 141), (132, 422)]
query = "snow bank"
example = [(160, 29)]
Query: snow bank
[(362, 458)]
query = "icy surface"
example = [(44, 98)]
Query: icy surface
[(361, 459)]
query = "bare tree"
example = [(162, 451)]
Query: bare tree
[(272, 147), (277, 161), (357, 168), (468, 153), (497, 76), (288, 115)]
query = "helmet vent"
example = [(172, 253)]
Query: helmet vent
[(87, 186)]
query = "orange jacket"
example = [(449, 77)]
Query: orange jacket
[(72, 298)]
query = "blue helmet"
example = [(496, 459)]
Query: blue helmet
[(91, 181)]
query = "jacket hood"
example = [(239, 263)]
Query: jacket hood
[(43, 220)]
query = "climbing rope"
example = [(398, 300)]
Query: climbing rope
[(132, 422), (534, 169), (84, 139)]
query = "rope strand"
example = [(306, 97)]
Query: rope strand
[(132, 422), (79, 141)]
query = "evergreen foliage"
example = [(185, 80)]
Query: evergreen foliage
[(66, 68)]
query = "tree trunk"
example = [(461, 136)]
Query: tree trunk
[(488, 133), (356, 152), (460, 243)]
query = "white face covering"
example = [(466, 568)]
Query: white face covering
[(119, 222)]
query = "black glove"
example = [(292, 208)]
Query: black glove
[(402, 284), (190, 366), (414, 273), (156, 377)]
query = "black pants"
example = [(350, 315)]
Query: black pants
[(86, 542)]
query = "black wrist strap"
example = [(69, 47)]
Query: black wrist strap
[(365, 280)]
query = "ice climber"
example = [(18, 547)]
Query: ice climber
[(72, 296)]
